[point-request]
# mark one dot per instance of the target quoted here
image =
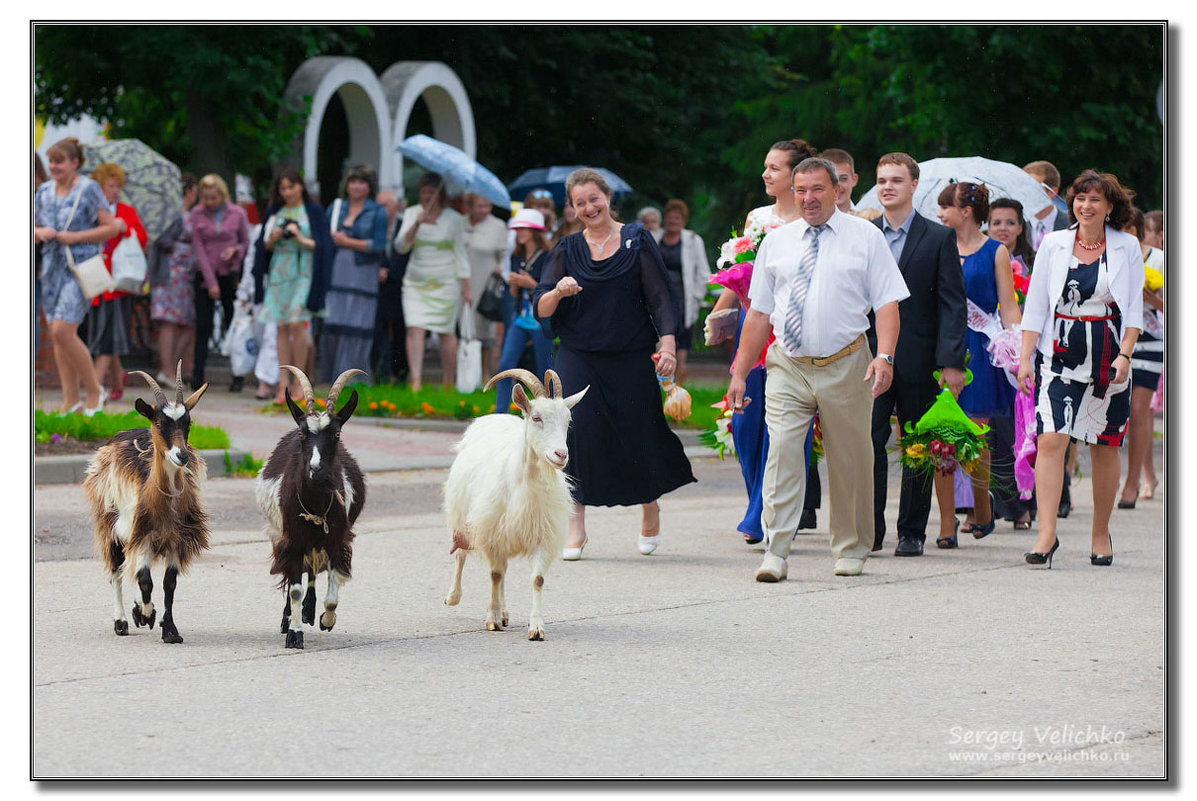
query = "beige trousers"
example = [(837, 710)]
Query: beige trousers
[(844, 401)]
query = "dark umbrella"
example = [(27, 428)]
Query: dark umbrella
[(553, 179)]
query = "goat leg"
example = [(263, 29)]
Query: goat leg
[(170, 634), (309, 601), (144, 613), (286, 624), (535, 621), (116, 560), (455, 588), (295, 632), (329, 618), (494, 614)]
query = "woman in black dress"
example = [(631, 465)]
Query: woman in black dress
[(605, 293)]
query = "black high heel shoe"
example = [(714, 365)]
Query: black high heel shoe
[(1036, 558), (1103, 561)]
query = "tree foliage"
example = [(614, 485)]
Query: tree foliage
[(678, 111)]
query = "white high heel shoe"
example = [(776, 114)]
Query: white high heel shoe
[(648, 544), (103, 398), (573, 554)]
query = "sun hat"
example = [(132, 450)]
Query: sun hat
[(527, 218)]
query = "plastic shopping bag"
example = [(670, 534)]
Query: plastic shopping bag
[(469, 354), (239, 344)]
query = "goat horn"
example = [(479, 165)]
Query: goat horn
[(179, 383), (338, 385), (309, 397), (159, 395), (525, 377), (554, 382)]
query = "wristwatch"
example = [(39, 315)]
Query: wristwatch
[(888, 359)]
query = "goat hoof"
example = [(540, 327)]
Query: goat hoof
[(121, 627), (327, 621), (493, 625), (505, 619), (452, 599), (536, 635), (295, 639), (309, 607), (285, 626), (171, 636), (140, 620)]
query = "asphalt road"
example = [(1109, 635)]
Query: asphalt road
[(958, 664)]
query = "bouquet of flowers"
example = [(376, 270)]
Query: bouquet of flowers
[(736, 256), (943, 439), (1022, 278), (719, 439)]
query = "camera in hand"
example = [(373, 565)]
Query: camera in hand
[(286, 228)]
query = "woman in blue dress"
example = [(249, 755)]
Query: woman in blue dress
[(70, 211), (989, 289)]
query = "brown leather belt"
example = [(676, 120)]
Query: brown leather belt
[(822, 361)]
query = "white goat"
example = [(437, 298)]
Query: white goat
[(506, 494)]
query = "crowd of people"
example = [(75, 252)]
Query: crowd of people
[(902, 307)]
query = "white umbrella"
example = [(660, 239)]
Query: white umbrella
[(1002, 178)]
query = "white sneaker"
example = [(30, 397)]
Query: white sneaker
[(848, 566), (773, 568), (648, 544)]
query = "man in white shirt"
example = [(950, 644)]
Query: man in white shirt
[(813, 284)]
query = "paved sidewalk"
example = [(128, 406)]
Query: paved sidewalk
[(964, 663)]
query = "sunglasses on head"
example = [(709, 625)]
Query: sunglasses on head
[(541, 193)]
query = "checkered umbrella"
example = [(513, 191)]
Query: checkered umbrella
[(152, 182)]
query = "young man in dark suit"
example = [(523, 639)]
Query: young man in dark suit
[(933, 321)]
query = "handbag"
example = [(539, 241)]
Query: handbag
[(490, 305), (92, 275), (129, 265), (469, 354), (526, 320)]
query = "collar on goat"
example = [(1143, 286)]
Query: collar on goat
[(320, 520)]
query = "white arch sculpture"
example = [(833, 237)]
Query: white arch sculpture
[(378, 111), (445, 96)]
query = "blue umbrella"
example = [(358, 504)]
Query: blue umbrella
[(455, 167), (553, 179)]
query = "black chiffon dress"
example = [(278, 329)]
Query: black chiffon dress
[(621, 450)]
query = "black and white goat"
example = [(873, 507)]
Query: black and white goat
[(312, 491), (143, 490), (506, 494)]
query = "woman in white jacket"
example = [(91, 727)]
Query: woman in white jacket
[(1084, 310), (685, 258)]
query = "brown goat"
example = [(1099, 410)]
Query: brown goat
[(143, 489)]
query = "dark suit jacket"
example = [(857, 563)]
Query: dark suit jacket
[(933, 318), (1061, 221)]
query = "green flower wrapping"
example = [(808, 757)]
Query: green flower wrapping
[(943, 439)]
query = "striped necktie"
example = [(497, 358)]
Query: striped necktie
[(806, 269)]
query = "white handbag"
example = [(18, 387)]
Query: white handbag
[(92, 275), (469, 353), (129, 265)]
